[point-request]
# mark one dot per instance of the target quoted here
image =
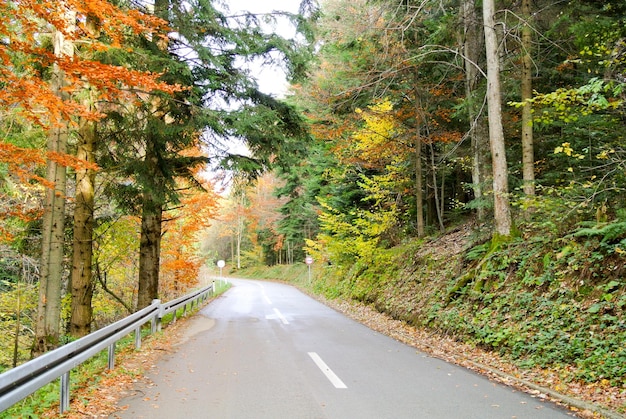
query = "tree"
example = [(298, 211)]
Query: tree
[(53, 228), (269, 127), (419, 169), (81, 280), (472, 41), (528, 155), (27, 55), (502, 210), (265, 218), (180, 258), (303, 182), (31, 60)]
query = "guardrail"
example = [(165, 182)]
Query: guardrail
[(25, 379)]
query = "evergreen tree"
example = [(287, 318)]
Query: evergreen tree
[(219, 101)]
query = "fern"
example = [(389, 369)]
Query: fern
[(477, 252), (607, 233)]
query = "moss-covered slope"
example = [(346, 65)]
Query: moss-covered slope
[(544, 301)]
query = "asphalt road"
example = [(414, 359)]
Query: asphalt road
[(265, 350)]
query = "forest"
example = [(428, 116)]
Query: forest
[(456, 164)]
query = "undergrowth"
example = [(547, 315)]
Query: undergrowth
[(546, 299)]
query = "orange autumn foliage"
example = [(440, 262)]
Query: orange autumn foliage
[(27, 58), (21, 161), (180, 263), (263, 212), (24, 55)]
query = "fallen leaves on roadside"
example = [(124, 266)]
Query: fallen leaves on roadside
[(101, 400), (448, 349)]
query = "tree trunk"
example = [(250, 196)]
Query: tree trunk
[(419, 187), (478, 131), (528, 156), (232, 248), (240, 225), (81, 280), (502, 210), (49, 306), (149, 251), (18, 317), (153, 200), (438, 203)]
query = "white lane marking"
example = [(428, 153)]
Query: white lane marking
[(280, 316), (336, 381), (265, 297)]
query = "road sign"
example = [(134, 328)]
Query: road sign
[(221, 263), (308, 260)]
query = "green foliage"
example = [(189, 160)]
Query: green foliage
[(542, 308), (35, 404), (345, 238), (568, 105), (554, 296), (9, 306), (607, 233), (542, 301)]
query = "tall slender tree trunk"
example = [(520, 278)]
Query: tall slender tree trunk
[(528, 154), (81, 280), (473, 49), (18, 318), (502, 210), (232, 248), (240, 228), (81, 284), (48, 320), (419, 187), (438, 200)]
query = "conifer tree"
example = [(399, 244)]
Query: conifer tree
[(41, 76), (220, 101)]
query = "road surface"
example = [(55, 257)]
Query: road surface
[(266, 350)]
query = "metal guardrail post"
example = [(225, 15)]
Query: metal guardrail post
[(65, 392), (138, 337), (156, 320), (25, 379), (111, 363)]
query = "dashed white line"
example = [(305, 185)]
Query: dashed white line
[(280, 316), (265, 297), (336, 381)]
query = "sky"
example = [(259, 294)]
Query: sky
[(271, 79), (261, 6)]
